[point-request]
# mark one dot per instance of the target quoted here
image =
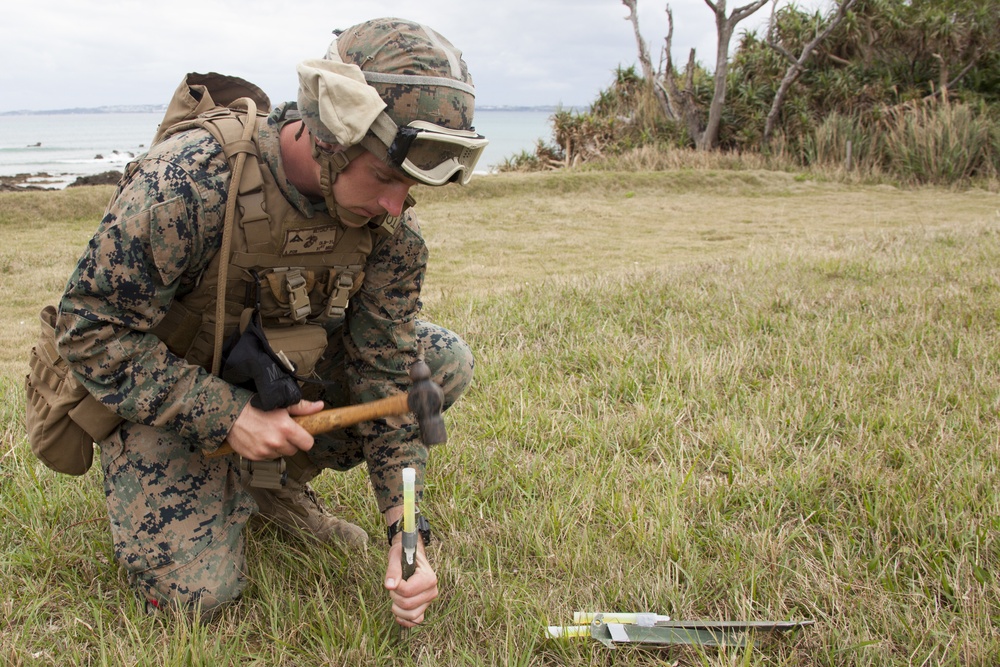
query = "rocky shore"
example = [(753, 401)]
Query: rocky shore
[(44, 181)]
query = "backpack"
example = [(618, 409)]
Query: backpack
[(63, 419)]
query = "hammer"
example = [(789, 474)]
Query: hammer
[(425, 400)]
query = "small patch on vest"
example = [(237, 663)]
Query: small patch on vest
[(310, 241)]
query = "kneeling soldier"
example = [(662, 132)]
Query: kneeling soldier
[(325, 257)]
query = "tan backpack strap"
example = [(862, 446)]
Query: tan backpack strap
[(227, 230)]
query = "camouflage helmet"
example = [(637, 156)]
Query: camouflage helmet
[(418, 73), (400, 91)]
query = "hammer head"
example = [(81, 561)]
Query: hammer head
[(426, 401)]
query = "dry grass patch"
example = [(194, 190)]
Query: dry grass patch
[(486, 238)]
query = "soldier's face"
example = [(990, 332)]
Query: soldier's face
[(369, 187)]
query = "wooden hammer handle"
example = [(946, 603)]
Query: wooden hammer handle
[(331, 420)]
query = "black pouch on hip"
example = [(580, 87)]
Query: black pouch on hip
[(249, 362)]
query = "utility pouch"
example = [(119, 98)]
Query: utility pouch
[(302, 344), (63, 419), (272, 362)]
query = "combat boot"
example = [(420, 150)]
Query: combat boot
[(296, 509)]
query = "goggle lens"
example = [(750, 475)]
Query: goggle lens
[(434, 155)]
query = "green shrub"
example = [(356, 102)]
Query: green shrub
[(827, 146), (938, 143)]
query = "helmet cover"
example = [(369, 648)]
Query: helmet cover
[(418, 73)]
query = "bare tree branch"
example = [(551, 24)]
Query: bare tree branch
[(837, 59), (681, 104), (682, 101), (647, 64), (968, 68), (782, 51), (798, 65), (741, 13), (724, 28)]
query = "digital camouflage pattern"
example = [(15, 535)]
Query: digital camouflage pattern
[(177, 517), (398, 46)]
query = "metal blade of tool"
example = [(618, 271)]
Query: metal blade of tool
[(610, 634), (668, 632)]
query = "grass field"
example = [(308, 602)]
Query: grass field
[(714, 395)]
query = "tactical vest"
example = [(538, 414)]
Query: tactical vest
[(300, 271)]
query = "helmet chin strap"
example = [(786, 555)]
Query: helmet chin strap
[(330, 166)]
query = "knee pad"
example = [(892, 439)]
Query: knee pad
[(449, 358)]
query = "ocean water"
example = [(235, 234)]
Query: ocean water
[(65, 146)]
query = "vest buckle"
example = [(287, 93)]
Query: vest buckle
[(299, 306), (336, 305), (265, 474)]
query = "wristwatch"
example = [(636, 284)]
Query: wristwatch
[(423, 527)]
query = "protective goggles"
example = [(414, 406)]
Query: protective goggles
[(435, 155)]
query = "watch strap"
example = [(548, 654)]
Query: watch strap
[(423, 527)]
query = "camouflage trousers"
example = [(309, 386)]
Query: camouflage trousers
[(177, 517)]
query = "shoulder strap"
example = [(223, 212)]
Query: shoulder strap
[(240, 150)]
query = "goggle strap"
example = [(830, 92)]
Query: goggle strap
[(385, 129), (375, 147), (352, 152), (400, 147)]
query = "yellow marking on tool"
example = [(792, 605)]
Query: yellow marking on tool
[(409, 505)]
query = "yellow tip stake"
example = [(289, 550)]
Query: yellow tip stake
[(409, 508), (409, 523)]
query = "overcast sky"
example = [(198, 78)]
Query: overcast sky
[(57, 54)]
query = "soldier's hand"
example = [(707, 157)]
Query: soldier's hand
[(410, 598), (263, 436)]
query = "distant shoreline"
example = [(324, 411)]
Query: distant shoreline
[(46, 182)]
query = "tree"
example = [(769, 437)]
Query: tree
[(797, 65), (669, 109), (724, 27), (679, 103), (926, 48), (956, 33)]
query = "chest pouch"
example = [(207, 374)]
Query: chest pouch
[(249, 362), (272, 361)]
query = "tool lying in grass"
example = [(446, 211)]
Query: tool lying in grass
[(612, 628), (425, 400)]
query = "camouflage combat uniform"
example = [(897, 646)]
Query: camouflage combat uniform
[(176, 516)]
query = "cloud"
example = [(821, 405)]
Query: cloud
[(84, 53)]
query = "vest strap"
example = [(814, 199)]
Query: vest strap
[(240, 146), (265, 474), (298, 296), (340, 292), (227, 232), (255, 221)]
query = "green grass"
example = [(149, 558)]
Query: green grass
[(785, 407)]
